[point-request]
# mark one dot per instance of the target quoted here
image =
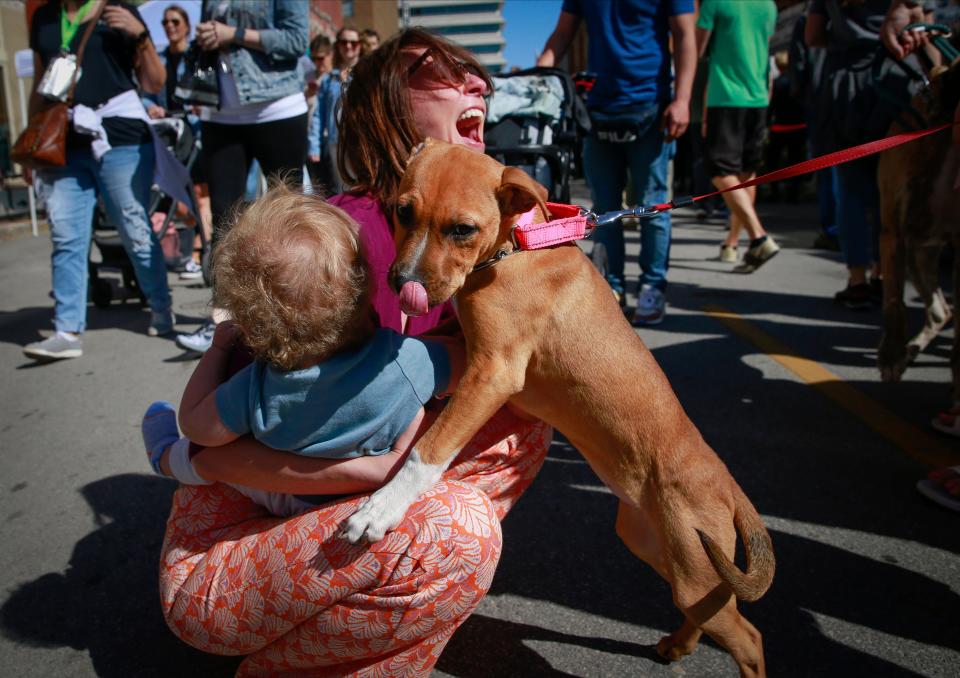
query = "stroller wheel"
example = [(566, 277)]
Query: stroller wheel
[(102, 292)]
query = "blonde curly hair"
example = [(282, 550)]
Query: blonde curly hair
[(292, 274)]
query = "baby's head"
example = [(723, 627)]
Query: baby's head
[(293, 276)]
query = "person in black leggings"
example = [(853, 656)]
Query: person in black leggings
[(262, 114)]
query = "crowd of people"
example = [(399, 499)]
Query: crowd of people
[(301, 294)]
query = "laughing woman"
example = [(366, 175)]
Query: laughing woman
[(290, 593)]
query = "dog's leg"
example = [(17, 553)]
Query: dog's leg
[(923, 264), (892, 354), (483, 389), (635, 530), (740, 638)]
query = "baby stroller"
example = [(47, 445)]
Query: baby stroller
[(536, 121), (180, 139)]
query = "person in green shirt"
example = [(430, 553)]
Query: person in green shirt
[(737, 35)]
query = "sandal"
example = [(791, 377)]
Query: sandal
[(943, 487)]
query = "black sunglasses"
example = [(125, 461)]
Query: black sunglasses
[(175, 22), (350, 43), (449, 69)]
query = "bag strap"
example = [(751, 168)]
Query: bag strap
[(83, 45)]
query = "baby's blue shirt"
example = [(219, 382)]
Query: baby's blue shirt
[(354, 404)]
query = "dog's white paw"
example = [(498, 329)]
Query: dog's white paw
[(374, 519)]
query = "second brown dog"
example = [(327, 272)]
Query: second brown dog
[(544, 332)]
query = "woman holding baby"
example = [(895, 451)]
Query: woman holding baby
[(290, 592)]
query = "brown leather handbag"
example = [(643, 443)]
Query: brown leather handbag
[(44, 141)]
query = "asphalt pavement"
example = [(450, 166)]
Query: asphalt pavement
[(781, 382)]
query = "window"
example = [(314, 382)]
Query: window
[(485, 49), (470, 28), (458, 8), (346, 8)]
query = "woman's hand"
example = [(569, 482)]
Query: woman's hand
[(213, 35), (898, 42), (123, 20), (155, 112)]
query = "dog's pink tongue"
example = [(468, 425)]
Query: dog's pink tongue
[(413, 298)]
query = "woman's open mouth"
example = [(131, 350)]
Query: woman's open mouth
[(470, 127)]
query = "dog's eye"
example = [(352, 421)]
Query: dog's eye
[(405, 214), (462, 231)]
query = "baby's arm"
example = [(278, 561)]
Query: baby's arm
[(199, 418)]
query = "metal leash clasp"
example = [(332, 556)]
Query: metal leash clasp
[(594, 220)]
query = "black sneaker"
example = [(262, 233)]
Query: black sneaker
[(854, 297)]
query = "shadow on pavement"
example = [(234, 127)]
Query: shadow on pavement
[(107, 601)]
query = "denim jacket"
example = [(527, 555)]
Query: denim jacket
[(283, 24), (323, 127)]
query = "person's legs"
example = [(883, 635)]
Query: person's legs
[(70, 194), (125, 178), (226, 163), (293, 594), (280, 159), (858, 202), (605, 167), (649, 159)]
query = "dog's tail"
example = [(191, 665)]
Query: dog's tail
[(753, 583)]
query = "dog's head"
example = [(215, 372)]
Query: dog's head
[(455, 209)]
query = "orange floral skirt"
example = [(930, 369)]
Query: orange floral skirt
[(298, 599)]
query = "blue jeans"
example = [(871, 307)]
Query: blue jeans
[(858, 210), (123, 177), (648, 159)]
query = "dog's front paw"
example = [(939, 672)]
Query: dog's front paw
[(373, 520)]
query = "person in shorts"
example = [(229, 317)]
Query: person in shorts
[(737, 36)]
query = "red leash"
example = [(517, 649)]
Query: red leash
[(815, 164), (570, 222)]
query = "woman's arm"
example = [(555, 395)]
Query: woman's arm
[(252, 464), (199, 418), (287, 40), (150, 71)]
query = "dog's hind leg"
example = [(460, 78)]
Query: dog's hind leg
[(891, 355), (735, 634), (636, 531), (923, 264)]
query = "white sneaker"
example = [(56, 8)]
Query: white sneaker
[(191, 270), (728, 254), (61, 345), (198, 341), (651, 306), (757, 256)]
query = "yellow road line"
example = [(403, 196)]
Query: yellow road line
[(914, 441)]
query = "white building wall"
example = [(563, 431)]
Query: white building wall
[(453, 18)]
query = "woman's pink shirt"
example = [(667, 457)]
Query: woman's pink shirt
[(377, 239)]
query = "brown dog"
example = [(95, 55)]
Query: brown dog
[(918, 215), (529, 322)]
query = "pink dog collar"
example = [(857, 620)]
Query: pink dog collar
[(569, 223)]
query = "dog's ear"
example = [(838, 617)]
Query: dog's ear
[(518, 192)]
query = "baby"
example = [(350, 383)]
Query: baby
[(325, 381)]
